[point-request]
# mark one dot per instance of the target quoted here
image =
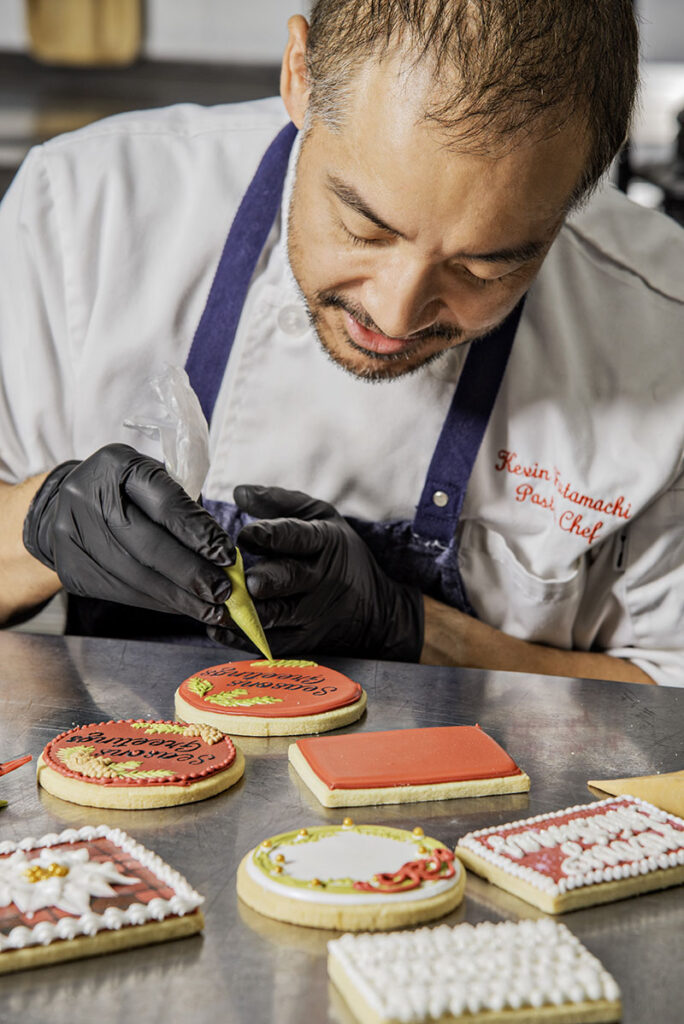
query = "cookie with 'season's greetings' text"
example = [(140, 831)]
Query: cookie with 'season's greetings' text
[(270, 698), (86, 892), (405, 765), (508, 973), (135, 765), (591, 853), (351, 877)]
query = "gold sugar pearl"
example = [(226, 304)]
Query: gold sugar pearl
[(303, 832), (267, 844), (347, 823), (418, 831), (422, 849), (277, 869), (279, 858), (315, 882)]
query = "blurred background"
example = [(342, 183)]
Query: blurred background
[(64, 63)]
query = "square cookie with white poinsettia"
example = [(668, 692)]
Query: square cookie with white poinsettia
[(85, 892)]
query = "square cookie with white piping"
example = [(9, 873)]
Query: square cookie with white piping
[(508, 973), (587, 854)]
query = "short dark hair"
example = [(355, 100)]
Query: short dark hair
[(503, 67)]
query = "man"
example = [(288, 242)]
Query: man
[(510, 483)]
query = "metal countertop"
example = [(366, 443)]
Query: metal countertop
[(248, 968)]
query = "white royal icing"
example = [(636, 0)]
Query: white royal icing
[(630, 837), (72, 892), (347, 854), (424, 974)]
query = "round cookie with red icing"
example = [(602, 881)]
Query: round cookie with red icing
[(270, 698), (136, 764), (351, 877)]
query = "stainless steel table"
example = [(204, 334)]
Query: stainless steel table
[(247, 968)]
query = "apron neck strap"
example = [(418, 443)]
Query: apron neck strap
[(253, 221), (444, 491)]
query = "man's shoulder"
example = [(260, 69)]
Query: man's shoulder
[(623, 238), (180, 122)]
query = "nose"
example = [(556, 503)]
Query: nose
[(402, 298)]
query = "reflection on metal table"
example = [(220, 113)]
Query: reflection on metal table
[(248, 968)]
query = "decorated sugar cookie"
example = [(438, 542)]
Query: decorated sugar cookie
[(351, 877), (499, 973), (270, 698), (139, 764), (583, 855), (87, 892), (405, 765)]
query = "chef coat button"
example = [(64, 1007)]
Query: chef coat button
[(440, 499), (293, 320)]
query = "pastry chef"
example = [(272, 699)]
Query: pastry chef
[(441, 361)]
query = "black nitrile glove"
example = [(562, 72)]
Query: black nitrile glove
[(117, 527), (318, 587)]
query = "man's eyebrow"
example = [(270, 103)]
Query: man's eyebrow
[(514, 254), (351, 198)]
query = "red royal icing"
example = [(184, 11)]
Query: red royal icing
[(406, 757), (439, 864), (294, 691), (548, 861), (187, 758)]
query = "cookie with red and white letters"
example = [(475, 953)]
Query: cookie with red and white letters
[(587, 854), (508, 973), (405, 765), (351, 877), (136, 764), (86, 892), (281, 697)]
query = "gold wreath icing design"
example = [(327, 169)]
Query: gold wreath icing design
[(82, 760), (241, 607)]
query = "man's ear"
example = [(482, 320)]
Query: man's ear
[(294, 85)]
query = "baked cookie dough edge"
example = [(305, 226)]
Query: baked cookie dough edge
[(345, 918), (402, 794), (84, 946), (136, 798), (576, 899), (250, 725)]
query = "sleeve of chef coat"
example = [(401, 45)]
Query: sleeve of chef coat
[(644, 619), (35, 393)]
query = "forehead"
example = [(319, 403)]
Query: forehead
[(427, 183)]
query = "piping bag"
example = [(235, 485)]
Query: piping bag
[(174, 417)]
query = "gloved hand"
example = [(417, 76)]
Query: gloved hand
[(318, 587), (117, 527)]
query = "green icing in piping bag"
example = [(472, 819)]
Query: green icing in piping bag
[(241, 607)]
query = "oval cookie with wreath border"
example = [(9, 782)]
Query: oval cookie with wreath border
[(351, 877)]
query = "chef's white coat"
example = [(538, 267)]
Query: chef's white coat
[(572, 532)]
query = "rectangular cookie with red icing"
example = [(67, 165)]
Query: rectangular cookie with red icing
[(508, 973), (587, 854), (405, 765), (86, 892)]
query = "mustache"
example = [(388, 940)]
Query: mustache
[(328, 298)]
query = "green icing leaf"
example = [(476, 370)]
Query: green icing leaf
[(238, 698), (163, 727), (199, 686)]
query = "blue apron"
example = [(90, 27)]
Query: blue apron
[(422, 551)]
